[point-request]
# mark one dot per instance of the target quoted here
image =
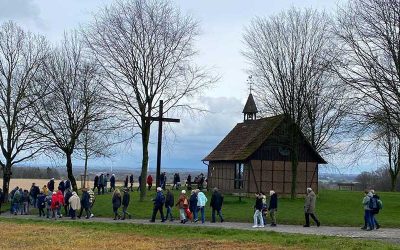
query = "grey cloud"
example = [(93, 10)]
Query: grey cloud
[(20, 10)]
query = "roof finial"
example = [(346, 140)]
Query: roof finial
[(250, 82)]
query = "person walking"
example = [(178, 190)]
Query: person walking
[(96, 183), (85, 203), (106, 178), (75, 205), (169, 203), (193, 205), (125, 203), (116, 202), (26, 202), (149, 182), (309, 208), (48, 201), (368, 219), (33, 193), (112, 183), (201, 203), (182, 205), (101, 184), (216, 204), (92, 199), (159, 201), (273, 207), (126, 181), (67, 195), (258, 219), (375, 205), (41, 203), (131, 182)]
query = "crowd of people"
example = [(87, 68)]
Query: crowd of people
[(50, 201)]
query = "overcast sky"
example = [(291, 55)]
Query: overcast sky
[(220, 46)]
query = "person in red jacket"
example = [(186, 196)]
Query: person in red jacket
[(57, 201), (149, 181)]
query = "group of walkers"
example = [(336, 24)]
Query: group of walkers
[(50, 202), (372, 204), (101, 183), (189, 208)]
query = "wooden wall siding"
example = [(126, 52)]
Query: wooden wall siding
[(267, 175)]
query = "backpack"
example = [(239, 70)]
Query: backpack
[(373, 203)]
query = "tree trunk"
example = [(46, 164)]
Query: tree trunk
[(145, 160), (70, 173), (6, 180), (85, 170)]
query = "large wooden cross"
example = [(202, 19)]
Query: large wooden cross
[(160, 119)]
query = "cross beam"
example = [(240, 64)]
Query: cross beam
[(160, 119)]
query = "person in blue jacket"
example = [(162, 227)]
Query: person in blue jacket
[(159, 201)]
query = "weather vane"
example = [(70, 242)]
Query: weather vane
[(250, 82)]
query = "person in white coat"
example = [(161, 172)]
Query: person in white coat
[(75, 204)]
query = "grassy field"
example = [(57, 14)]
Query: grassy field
[(96, 235), (339, 208)]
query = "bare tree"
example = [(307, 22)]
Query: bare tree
[(21, 56), (370, 33), (73, 101), (291, 57), (146, 49)]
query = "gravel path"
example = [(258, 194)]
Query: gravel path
[(385, 234)]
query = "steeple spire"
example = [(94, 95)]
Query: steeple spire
[(250, 109)]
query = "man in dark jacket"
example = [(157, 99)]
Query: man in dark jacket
[(33, 193), (216, 204), (96, 183), (61, 186), (67, 195), (85, 204), (273, 207), (41, 203), (101, 184), (112, 182), (67, 184), (125, 203), (50, 185), (169, 203), (158, 205), (131, 182)]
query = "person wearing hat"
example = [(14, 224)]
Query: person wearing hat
[(182, 204), (309, 208), (159, 201), (125, 203), (75, 204)]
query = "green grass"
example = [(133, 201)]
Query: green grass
[(216, 234), (336, 208)]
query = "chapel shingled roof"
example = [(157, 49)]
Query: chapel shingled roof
[(246, 137)]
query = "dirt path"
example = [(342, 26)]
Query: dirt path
[(385, 234)]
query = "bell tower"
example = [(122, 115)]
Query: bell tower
[(250, 109)]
